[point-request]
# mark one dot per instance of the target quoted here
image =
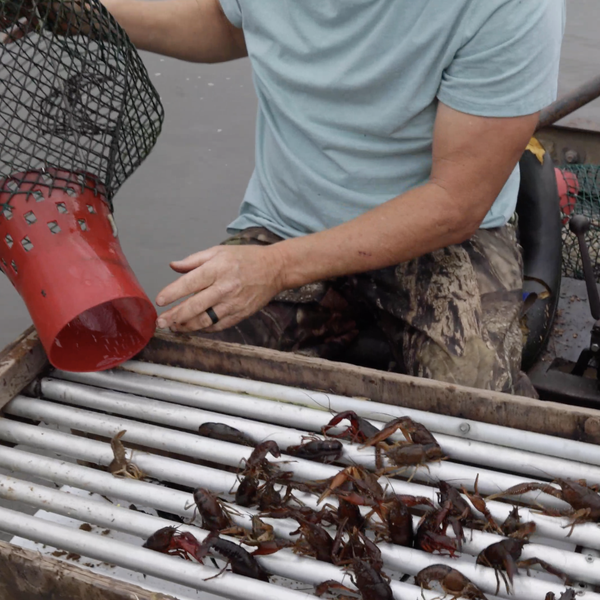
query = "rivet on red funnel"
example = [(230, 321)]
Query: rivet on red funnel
[(59, 248)]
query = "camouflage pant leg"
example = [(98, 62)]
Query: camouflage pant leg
[(314, 320), (453, 315)]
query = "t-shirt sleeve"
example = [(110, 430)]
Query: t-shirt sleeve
[(233, 11), (508, 64)]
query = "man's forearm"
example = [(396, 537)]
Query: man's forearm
[(194, 30), (415, 223)]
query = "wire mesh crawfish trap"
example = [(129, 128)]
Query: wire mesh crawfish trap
[(78, 114), (581, 195)]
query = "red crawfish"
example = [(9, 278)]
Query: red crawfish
[(358, 431)]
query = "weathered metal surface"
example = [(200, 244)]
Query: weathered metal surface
[(25, 575), (390, 388), (568, 145), (569, 103), (20, 363)]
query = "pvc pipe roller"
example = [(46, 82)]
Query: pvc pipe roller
[(452, 426), (232, 454), (191, 418)]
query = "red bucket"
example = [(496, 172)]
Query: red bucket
[(59, 248)]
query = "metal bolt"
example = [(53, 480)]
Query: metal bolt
[(465, 428), (589, 558), (572, 157), (595, 348)]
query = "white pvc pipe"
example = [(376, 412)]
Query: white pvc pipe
[(474, 430), (302, 417), (284, 563), (231, 454), (191, 418), (174, 501), (140, 559)]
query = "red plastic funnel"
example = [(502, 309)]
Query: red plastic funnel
[(59, 247)]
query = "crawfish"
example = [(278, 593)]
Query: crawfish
[(567, 595), (453, 582), (121, 466), (169, 540), (367, 484), (399, 523), (512, 526), (419, 448), (358, 431), (370, 581), (505, 556), (584, 500), (431, 532), (325, 451), (214, 517), (257, 465), (225, 433), (315, 541), (269, 497), (247, 491), (241, 561)]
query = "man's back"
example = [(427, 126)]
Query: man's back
[(348, 94)]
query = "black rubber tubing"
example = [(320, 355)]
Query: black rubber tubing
[(538, 209)]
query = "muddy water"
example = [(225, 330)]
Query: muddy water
[(183, 196)]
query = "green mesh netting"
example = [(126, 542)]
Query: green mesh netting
[(580, 187), (74, 96)]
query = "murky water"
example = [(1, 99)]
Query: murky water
[(181, 199)]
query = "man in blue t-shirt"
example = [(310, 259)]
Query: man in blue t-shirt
[(387, 147)]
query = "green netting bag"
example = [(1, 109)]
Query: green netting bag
[(580, 194)]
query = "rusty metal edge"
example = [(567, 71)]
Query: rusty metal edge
[(27, 575), (20, 363)]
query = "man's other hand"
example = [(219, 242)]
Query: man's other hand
[(235, 281)]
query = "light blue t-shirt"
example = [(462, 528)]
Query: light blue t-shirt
[(348, 93)]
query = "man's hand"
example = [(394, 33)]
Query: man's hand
[(235, 281)]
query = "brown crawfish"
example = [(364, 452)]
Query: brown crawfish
[(257, 465), (225, 433), (512, 526), (325, 451), (241, 561), (504, 556), (584, 499), (452, 582), (419, 448), (567, 595), (211, 509), (121, 466), (369, 491), (314, 541), (431, 532)]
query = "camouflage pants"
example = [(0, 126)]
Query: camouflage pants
[(452, 315)]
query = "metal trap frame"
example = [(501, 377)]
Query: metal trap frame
[(266, 395)]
